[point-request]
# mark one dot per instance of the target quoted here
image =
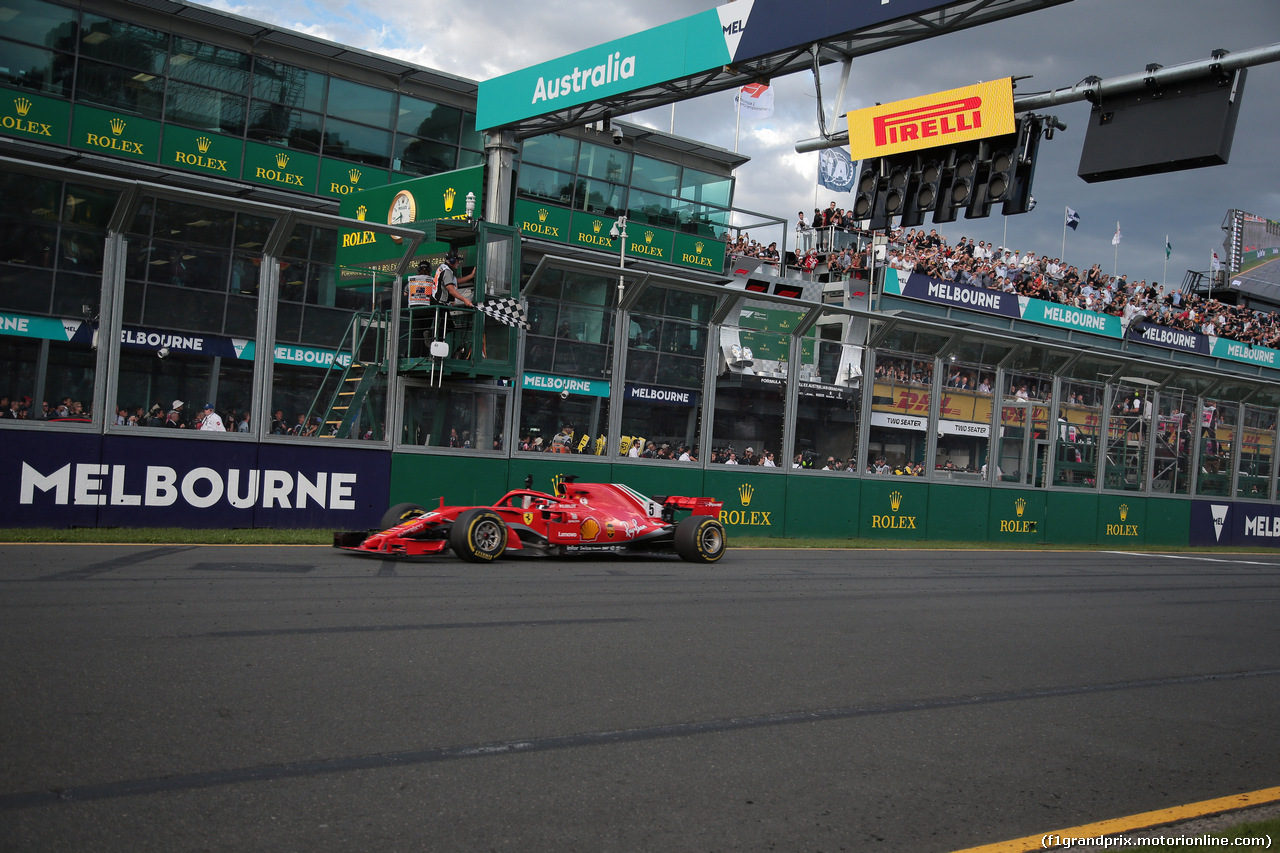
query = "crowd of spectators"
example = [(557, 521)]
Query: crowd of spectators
[(1052, 280), (174, 415), (1040, 276), (24, 409)]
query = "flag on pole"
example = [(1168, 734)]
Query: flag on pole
[(1031, 203), (1168, 247), (756, 100), (1115, 241), (505, 310), (835, 170), (1073, 219), (1214, 264)]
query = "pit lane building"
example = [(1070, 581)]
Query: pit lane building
[(203, 208)]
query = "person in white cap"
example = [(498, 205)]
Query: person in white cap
[(212, 421), (175, 418)]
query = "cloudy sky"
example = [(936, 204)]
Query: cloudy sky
[(1057, 47)]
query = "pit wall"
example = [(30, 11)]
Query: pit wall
[(761, 503), (66, 480)]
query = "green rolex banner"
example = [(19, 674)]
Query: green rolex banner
[(34, 117), (114, 133)]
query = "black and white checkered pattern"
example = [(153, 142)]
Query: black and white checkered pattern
[(505, 310)]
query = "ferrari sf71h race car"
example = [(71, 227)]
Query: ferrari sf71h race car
[(579, 517)]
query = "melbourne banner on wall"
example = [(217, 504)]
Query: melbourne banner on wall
[(998, 302), (1234, 523), (63, 480)]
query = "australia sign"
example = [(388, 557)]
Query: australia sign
[(734, 32)]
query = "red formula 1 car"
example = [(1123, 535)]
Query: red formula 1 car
[(579, 517)]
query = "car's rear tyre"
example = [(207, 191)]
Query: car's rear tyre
[(700, 539), (399, 514), (478, 536)]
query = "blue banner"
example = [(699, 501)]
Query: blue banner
[(667, 396), (928, 289), (62, 480), (1233, 523), (987, 301), (1163, 336)]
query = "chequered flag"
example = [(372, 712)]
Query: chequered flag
[(505, 310)]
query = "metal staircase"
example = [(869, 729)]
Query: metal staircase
[(343, 402)]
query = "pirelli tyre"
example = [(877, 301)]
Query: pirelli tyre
[(478, 536), (700, 539), (399, 514)]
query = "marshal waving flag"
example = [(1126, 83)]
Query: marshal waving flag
[(505, 310)]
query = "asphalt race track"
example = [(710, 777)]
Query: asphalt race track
[(175, 698)]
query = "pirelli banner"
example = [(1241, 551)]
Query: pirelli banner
[(930, 121)]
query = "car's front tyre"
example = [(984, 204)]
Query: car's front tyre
[(399, 514), (478, 536)]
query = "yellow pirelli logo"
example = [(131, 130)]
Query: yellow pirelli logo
[(943, 118)]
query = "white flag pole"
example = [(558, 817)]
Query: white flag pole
[(1166, 259), (737, 122), (1064, 235), (1115, 266)]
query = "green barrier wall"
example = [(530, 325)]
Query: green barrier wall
[(770, 503), (459, 480), (1168, 522), (1015, 516), (822, 507), (754, 501), (893, 508), (1070, 518), (954, 514), (1122, 521)]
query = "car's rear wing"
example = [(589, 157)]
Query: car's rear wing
[(696, 506)]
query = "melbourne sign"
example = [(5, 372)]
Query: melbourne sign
[(1234, 523), (930, 121), (565, 385), (665, 396), (734, 32), (61, 480)]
